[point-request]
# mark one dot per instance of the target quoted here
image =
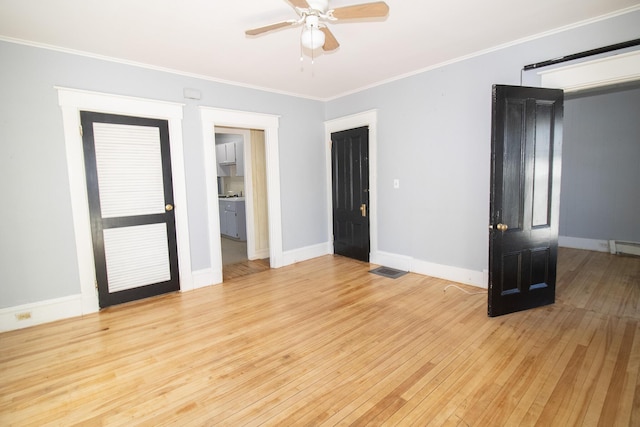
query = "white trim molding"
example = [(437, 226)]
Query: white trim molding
[(212, 117), (441, 271), (206, 277), (23, 316), (370, 119), (614, 69), (448, 272), (581, 243), (308, 252), (72, 101)]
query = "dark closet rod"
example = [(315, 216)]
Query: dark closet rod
[(584, 54)]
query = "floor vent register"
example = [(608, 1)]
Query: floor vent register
[(391, 273)]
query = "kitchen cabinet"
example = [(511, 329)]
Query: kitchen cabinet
[(230, 159), (240, 158), (226, 153), (233, 221), (225, 156)]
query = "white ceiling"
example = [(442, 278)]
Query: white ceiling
[(206, 37)]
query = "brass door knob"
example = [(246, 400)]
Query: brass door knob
[(502, 227), (168, 207), (363, 209)]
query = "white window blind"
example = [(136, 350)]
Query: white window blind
[(129, 167), (136, 256)]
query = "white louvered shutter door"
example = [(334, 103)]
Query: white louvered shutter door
[(129, 169)]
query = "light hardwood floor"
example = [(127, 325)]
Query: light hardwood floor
[(244, 268), (324, 342)]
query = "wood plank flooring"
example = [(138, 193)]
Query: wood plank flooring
[(244, 268), (324, 342)]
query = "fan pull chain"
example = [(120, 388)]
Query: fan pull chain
[(302, 65), (302, 57), (302, 61)]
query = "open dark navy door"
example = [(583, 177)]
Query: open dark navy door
[(525, 197)]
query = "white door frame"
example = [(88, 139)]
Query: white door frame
[(72, 101), (614, 69), (210, 119), (370, 119)]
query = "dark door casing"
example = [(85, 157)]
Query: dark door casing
[(526, 147), (134, 236), (350, 190)]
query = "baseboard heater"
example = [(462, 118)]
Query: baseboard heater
[(624, 248)]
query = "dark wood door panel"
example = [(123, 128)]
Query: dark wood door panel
[(350, 192), (525, 185), (130, 192)]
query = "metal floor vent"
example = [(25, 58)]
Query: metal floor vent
[(391, 273)]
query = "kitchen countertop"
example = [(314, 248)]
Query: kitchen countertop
[(231, 199)]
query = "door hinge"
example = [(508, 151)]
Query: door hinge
[(96, 283), (80, 130)]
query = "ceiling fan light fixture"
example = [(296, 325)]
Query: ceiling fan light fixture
[(315, 14), (312, 38)]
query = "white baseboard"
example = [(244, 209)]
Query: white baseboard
[(206, 277), (387, 259), (586, 244), (447, 272), (306, 253), (37, 313), (455, 274), (23, 316)]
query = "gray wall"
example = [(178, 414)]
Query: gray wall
[(434, 135), (37, 258), (601, 166)]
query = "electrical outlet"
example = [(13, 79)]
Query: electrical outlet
[(396, 183), (23, 316)]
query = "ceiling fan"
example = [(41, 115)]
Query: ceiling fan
[(314, 14)]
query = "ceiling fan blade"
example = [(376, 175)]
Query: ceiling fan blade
[(365, 10), (330, 42), (302, 4), (260, 30)]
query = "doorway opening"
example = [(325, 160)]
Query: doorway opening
[(597, 75), (242, 200), (367, 119), (72, 102), (267, 126)]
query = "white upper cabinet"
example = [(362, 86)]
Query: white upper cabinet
[(230, 158), (221, 156), (226, 153), (240, 158)]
